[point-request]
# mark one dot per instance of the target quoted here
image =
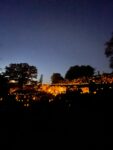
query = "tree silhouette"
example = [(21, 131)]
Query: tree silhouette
[(4, 86), (21, 72), (56, 78), (75, 72), (109, 50)]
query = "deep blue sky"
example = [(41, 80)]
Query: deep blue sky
[(55, 34)]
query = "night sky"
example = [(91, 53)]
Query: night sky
[(55, 34)]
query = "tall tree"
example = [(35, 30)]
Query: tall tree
[(109, 50), (76, 71), (56, 78), (21, 72)]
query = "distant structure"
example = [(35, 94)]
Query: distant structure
[(41, 79)]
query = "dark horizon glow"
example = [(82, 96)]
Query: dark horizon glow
[(55, 34)]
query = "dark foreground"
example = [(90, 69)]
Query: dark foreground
[(83, 120)]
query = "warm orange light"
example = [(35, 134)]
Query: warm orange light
[(85, 89)]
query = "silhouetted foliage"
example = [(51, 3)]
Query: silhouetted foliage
[(79, 71), (4, 86), (109, 50), (21, 72), (56, 78)]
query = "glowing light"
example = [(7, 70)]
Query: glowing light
[(85, 90), (94, 92), (1, 98), (26, 105)]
